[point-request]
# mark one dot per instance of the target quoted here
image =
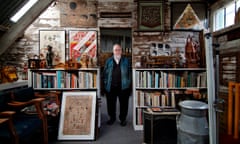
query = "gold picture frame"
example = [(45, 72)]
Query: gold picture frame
[(77, 117)]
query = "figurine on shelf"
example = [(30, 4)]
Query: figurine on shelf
[(189, 48), (191, 53), (49, 56), (43, 63), (25, 71), (180, 58), (84, 60)]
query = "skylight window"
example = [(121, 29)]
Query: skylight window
[(23, 10)]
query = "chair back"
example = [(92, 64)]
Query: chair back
[(5, 97), (23, 94)]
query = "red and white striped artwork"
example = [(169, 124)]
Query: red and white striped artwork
[(82, 42)]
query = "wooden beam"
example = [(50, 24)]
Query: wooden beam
[(3, 28), (9, 37)]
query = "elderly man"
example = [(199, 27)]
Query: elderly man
[(117, 82)]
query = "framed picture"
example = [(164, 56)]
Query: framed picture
[(188, 16), (82, 42), (33, 63), (77, 117), (55, 39), (150, 16)]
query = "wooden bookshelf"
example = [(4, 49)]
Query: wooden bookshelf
[(164, 88), (83, 79), (65, 79)]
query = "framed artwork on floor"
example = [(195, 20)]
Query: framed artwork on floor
[(82, 42), (77, 117), (188, 16), (150, 15), (55, 39)]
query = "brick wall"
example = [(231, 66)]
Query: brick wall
[(28, 45), (142, 40)]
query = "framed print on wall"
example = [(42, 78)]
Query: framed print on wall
[(82, 42), (150, 16), (77, 118), (56, 39), (188, 16)]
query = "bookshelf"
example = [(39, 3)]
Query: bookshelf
[(164, 87), (65, 79), (83, 79)]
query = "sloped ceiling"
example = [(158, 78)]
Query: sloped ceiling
[(7, 9), (10, 31)]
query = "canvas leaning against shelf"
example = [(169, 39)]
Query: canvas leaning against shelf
[(77, 118), (82, 79)]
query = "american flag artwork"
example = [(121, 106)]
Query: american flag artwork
[(82, 42)]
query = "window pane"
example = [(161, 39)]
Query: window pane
[(230, 14), (238, 4), (219, 19)]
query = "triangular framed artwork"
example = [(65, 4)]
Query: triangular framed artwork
[(189, 16)]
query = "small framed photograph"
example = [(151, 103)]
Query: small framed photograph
[(33, 63), (56, 40), (150, 15), (77, 117)]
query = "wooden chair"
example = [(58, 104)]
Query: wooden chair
[(24, 123), (51, 103), (50, 95), (7, 121)]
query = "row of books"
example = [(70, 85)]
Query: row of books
[(63, 79), (162, 79), (155, 98), (167, 98)]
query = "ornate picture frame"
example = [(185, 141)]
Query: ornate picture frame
[(77, 117), (56, 39), (151, 15)]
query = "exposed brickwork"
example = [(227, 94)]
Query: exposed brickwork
[(28, 46)]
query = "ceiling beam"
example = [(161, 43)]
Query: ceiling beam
[(3, 28), (9, 37)]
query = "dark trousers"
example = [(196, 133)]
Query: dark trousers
[(123, 97)]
